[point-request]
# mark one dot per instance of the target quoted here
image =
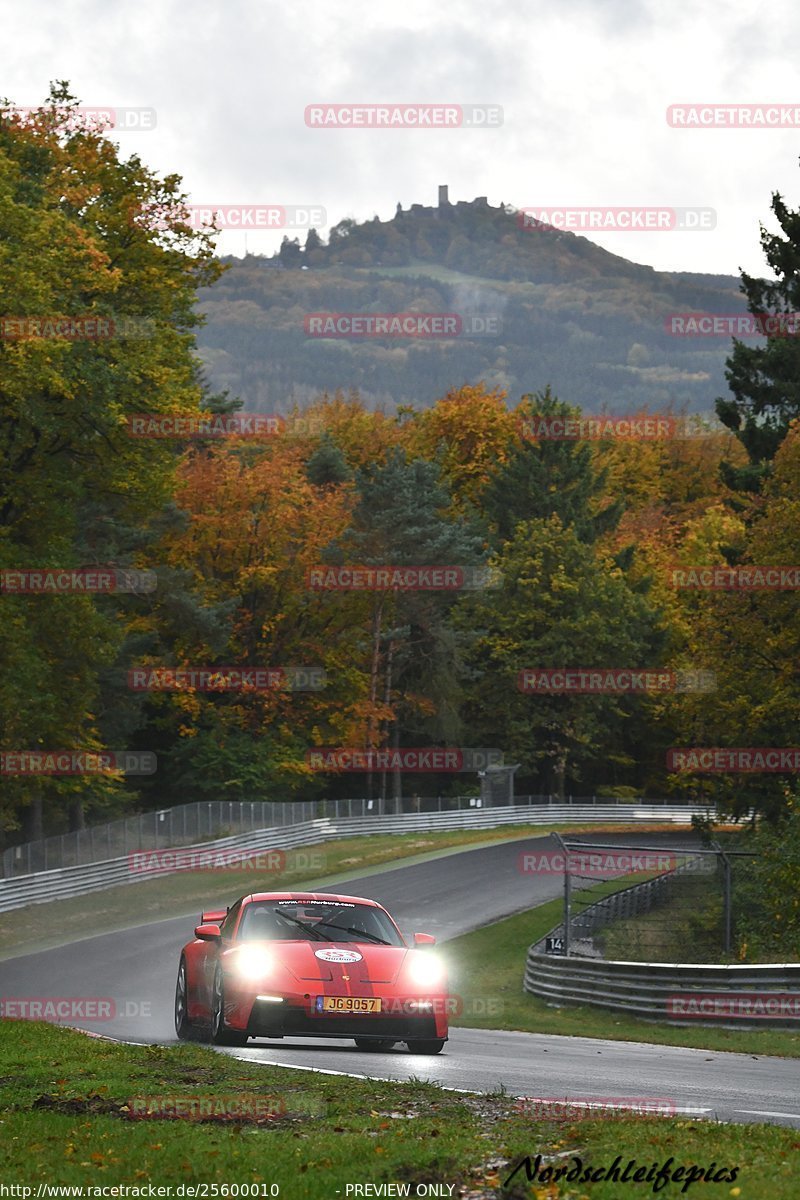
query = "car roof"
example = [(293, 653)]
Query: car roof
[(301, 896)]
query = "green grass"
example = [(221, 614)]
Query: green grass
[(767, 1157), (66, 1119), (688, 927), (488, 970), (43, 926)]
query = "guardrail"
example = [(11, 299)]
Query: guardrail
[(205, 820), (66, 882), (734, 995), (675, 993)]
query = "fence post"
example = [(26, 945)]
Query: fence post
[(567, 894), (726, 884)]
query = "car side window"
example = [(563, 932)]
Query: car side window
[(228, 925)]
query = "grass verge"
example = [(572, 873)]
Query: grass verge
[(69, 1105), (490, 964)]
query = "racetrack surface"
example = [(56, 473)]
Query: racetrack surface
[(136, 969)]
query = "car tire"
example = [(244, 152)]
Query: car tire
[(376, 1046), (428, 1046), (220, 1034), (184, 1028)]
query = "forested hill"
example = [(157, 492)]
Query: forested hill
[(565, 312)]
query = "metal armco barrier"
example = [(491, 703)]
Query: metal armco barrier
[(66, 882), (207, 820), (679, 994)]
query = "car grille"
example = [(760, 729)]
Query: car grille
[(276, 1020)]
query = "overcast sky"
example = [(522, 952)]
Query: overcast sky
[(584, 86)]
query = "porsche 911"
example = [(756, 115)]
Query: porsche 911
[(310, 964)]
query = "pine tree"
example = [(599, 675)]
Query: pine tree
[(765, 380), (541, 478)]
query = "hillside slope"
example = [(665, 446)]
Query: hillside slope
[(564, 311)]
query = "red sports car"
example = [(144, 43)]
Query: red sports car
[(310, 964)]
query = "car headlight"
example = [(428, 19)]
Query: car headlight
[(426, 969), (253, 963)]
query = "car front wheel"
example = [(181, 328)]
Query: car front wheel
[(428, 1046), (220, 1034), (186, 1031)]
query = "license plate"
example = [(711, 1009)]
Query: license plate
[(348, 1004)]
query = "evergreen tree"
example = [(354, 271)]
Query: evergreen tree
[(765, 380), (404, 518), (544, 477), (327, 465), (559, 606), (313, 241)]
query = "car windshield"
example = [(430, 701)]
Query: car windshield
[(316, 921)]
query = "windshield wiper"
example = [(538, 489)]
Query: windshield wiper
[(372, 937), (302, 924)]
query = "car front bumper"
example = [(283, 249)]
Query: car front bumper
[(271, 1020)]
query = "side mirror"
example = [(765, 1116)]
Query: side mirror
[(208, 933), (424, 939), (213, 916)]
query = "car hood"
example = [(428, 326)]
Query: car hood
[(325, 961)]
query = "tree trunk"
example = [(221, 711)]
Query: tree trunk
[(387, 699), (77, 819), (398, 775), (373, 683), (32, 821), (561, 769)]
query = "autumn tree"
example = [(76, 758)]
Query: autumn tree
[(73, 244)]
